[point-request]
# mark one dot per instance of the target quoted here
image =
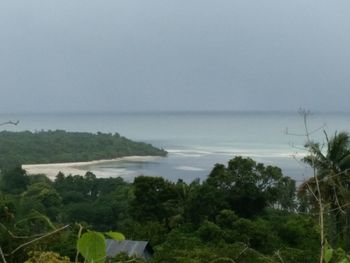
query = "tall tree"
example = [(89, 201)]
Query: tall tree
[(249, 186), (332, 166), (154, 199), (13, 181)]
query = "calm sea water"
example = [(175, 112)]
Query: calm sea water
[(197, 140)]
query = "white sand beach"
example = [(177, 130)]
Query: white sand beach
[(79, 168)]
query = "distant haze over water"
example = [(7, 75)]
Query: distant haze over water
[(197, 140)]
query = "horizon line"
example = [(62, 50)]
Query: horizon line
[(199, 111)]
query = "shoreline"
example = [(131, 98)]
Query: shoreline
[(79, 168)]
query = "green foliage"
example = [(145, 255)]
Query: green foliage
[(335, 255), (31, 218), (300, 232), (14, 180), (7, 209), (100, 202), (331, 164), (292, 255), (60, 146), (41, 197), (115, 235), (155, 199), (258, 234), (196, 222), (152, 231), (92, 246), (328, 254), (181, 238), (237, 252), (46, 256), (249, 187), (210, 232), (226, 218), (124, 258), (205, 202), (64, 242)]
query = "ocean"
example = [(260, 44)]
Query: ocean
[(196, 141)]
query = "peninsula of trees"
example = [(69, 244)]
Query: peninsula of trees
[(61, 146)]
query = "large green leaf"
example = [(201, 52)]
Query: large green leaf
[(115, 235), (92, 246), (328, 253)]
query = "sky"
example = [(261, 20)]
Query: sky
[(127, 55)]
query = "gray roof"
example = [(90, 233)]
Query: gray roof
[(130, 247)]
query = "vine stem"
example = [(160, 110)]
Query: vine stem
[(2, 256), (79, 235), (318, 189), (37, 239)]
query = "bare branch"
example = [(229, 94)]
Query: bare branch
[(311, 191), (324, 125), (337, 200), (9, 122), (37, 239), (19, 237), (278, 254), (79, 235), (305, 115), (2, 255)]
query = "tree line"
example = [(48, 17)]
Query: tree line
[(242, 212), (60, 146), (243, 204)]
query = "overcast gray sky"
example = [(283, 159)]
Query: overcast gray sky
[(111, 55)]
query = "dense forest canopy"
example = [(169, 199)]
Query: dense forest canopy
[(61, 146), (244, 206), (242, 212)]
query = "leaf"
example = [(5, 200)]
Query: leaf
[(92, 246), (328, 253), (115, 235)]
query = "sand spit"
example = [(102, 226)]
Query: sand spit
[(79, 168)]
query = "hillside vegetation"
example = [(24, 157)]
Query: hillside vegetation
[(243, 212), (61, 146)]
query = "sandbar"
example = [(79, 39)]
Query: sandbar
[(79, 168)]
